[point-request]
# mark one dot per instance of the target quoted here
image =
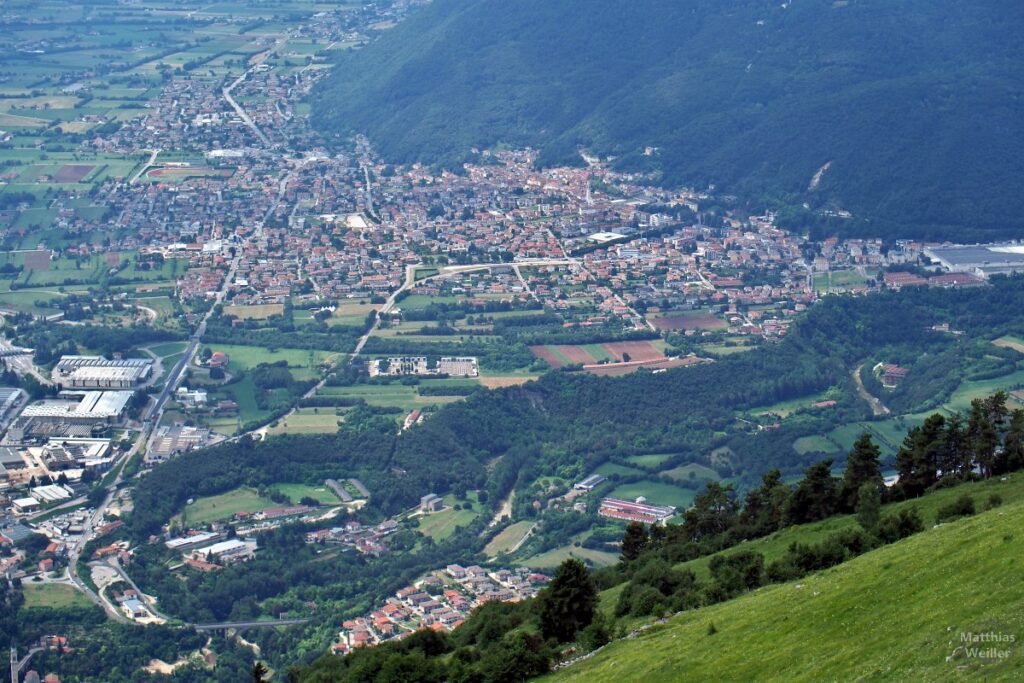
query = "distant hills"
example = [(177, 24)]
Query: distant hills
[(913, 108)]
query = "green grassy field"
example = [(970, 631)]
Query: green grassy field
[(970, 390), (307, 421), (225, 506), (303, 363), (1011, 342), (651, 460), (815, 443), (894, 614), (553, 558), (730, 346), (656, 492), (609, 468), (296, 492), (168, 348), (507, 538), (383, 395), (786, 408), (54, 595), (441, 525), (699, 472)]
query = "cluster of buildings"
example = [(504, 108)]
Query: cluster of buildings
[(368, 540), (173, 440), (453, 366), (97, 372), (441, 601), (209, 550), (636, 511)]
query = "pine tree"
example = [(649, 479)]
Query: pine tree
[(869, 507), (863, 466), (567, 604), (633, 541), (815, 497), (983, 436), (764, 506), (919, 456), (1012, 456), (713, 512), (956, 451)]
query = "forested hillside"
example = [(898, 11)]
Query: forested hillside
[(912, 105)]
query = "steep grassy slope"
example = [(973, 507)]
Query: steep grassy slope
[(915, 103), (893, 614)]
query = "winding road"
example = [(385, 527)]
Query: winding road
[(876, 404)]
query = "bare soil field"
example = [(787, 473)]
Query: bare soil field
[(688, 321), (37, 260), (72, 173), (637, 350)]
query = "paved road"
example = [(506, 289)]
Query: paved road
[(249, 624), (21, 363), (237, 107), (17, 665), (152, 160)]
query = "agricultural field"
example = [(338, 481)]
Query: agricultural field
[(54, 596), (972, 389), (784, 409), (651, 460), (224, 506), (656, 493), (730, 345), (693, 473), (254, 312), (507, 538), (814, 444), (308, 421), (699, 319), (345, 314), (303, 363), (441, 525), (560, 355), (297, 492), (396, 395), (608, 469), (1010, 342), (552, 558)]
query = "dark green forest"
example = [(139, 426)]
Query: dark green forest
[(916, 104)]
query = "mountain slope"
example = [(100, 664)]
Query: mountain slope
[(916, 104), (893, 614)]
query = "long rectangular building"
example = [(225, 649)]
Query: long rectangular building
[(982, 260), (635, 512), (96, 372), (84, 407)]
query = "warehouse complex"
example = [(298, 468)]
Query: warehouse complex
[(983, 260), (96, 372)]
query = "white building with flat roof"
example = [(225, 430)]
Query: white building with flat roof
[(81, 407), (96, 372), (24, 505)]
